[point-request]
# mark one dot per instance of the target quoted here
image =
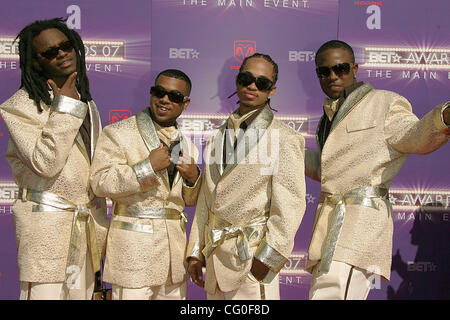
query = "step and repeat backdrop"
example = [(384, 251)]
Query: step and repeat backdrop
[(400, 45)]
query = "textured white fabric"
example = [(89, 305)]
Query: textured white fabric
[(342, 282), (82, 288)]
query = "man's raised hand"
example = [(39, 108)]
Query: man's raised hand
[(68, 89), (188, 169), (159, 158)]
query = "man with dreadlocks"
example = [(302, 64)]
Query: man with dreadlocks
[(251, 203), (54, 124)]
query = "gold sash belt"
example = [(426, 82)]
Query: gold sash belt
[(146, 213), (361, 196), (218, 230), (50, 202)]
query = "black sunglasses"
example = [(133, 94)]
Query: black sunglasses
[(339, 70), (246, 78), (52, 53), (174, 95)]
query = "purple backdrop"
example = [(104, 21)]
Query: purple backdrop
[(208, 39)]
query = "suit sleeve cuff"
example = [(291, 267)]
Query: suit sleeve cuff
[(145, 174), (270, 257), (70, 106), (194, 251), (186, 185), (438, 119)]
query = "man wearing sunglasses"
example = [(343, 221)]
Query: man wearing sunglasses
[(54, 125), (145, 165), (364, 138), (248, 210)]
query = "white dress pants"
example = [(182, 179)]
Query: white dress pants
[(342, 282), (167, 291), (251, 289)]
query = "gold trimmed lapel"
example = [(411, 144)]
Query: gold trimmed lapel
[(148, 133), (185, 147), (80, 144), (147, 130), (215, 160), (94, 125), (319, 128), (352, 101), (250, 139)]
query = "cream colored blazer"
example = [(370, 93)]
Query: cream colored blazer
[(253, 206), (370, 139), (122, 171), (46, 153)]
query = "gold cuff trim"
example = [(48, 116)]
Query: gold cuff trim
[(196, 181), (270, 257), (438, 119), (70, 106), (145, 174), (269, 277), (195, 252)]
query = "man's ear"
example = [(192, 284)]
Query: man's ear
[(272, 91), (355, 70), (186, 103)]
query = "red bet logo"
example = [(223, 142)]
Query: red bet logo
[(117, 115)]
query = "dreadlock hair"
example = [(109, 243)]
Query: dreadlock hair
[(35, 81), (177, 74), (335, 44), (265, 57)]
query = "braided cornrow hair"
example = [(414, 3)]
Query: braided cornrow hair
[(34, 81), (268, 59)]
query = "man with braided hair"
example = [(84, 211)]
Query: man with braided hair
[(250, 203), (54, 124)]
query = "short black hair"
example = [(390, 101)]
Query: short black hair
[(265, 57), (335, 44), (35, 81), (177, 74)]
